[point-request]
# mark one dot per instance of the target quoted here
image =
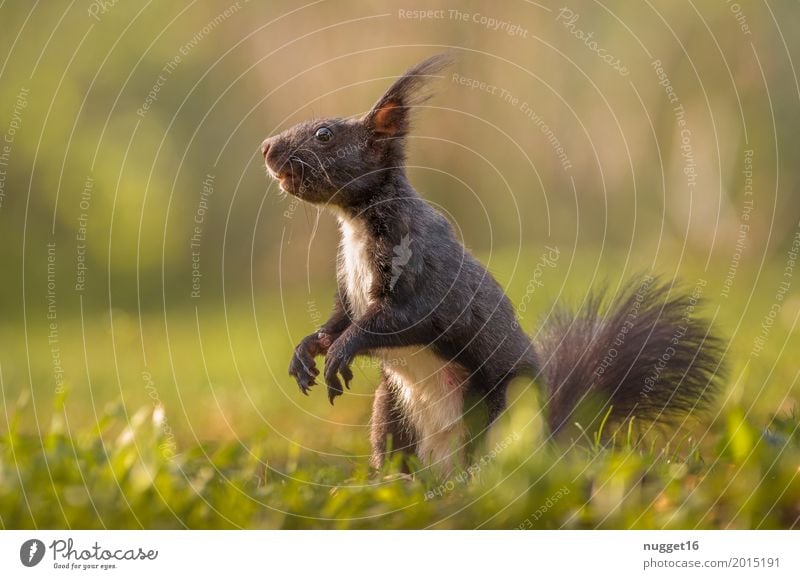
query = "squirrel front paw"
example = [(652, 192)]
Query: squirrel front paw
[(337, 363), (303, 368)]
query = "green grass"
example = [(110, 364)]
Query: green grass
[(193, 422), (121, 473)]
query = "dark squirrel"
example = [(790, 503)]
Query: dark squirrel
[(411, 295)]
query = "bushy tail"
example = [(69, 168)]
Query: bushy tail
[(643, 350)]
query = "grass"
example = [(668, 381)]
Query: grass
[(189, 421), (120, 473)]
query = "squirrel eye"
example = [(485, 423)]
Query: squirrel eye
[(324, 134)]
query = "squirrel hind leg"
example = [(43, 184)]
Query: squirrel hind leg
[(427, 394), (389, 431)]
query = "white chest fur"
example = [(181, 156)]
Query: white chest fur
[(354, 269)]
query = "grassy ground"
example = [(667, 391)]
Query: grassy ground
[(190, 421), (118, 474)]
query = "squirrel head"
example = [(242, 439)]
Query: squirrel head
[(342, 162)]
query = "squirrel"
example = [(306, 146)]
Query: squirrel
[(411, 295)]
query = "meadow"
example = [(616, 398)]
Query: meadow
[(155, 282), (212, 433)]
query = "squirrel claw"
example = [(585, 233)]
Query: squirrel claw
[(334, 391), (334, 388), (305, 387), (336, 364), (303, 368), (347, 374)]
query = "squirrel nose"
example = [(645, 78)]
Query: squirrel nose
[(265, 146)]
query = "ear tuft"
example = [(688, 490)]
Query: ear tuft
[(390, 115)]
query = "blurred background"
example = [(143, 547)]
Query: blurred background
[(148, 260)]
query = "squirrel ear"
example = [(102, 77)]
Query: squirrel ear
[(388, 118), (390, 115)]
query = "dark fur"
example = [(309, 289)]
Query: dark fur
[(388, 425), (644, 350), (446, 300)]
